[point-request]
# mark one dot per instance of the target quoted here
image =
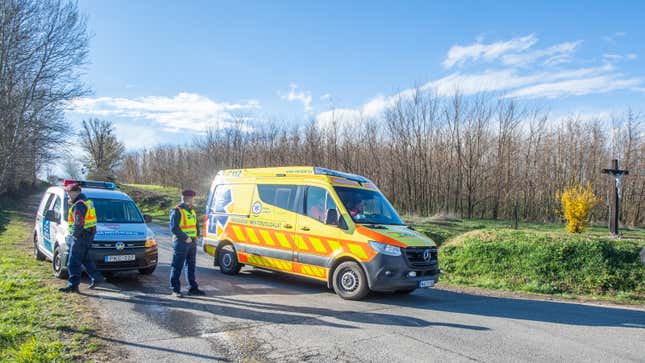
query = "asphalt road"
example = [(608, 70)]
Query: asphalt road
[(266, 316)]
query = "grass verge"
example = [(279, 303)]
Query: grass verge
[(37, 323), (156, 200), (547, 263)]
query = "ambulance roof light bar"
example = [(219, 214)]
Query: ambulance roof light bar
[(90, 184), (354, 177)]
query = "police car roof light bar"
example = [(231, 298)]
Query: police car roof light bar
[(90, 184)]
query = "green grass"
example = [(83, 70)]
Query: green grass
[(441, 231), (540, 258), (37, 323), (157, 201)]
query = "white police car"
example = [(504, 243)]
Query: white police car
[(122, 242)]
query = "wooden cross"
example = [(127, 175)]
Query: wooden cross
[(613, 195)]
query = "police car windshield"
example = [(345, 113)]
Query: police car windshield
[(367, 206), (116, 211)]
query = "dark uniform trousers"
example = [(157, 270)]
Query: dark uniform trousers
[(185, 254), (79, 258)]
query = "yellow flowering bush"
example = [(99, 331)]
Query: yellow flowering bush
[(577, 202)]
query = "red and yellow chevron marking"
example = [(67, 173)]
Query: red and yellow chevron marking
[(273, 263), (317, 245), (316, 272)]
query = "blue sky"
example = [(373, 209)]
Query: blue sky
[(164, 71)]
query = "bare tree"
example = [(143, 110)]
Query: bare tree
[(43, 46), (104, 152)]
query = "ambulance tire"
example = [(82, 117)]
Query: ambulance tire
[(37, 254), (349, 281), (227, 260), (60, 271)]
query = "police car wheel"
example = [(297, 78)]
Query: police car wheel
[(349, 281), (147, 270), (57, 265), (37, 254), (227, 260), (405, 291)]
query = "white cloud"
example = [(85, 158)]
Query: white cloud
[(576, 87), (338, 116), (618, 57), (459, 54), (185, 111), (508, 73), (556, 54), (302, 96), (326, 96)]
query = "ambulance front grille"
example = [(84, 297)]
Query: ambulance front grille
[(416, 256)]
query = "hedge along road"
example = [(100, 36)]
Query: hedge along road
[(266, 316)]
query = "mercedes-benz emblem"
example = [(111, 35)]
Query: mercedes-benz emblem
[(426, 255), (119, 246)]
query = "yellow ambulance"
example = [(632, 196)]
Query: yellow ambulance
[(318, 223)]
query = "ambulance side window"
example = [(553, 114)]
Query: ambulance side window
[(282, 196), (318, 203)]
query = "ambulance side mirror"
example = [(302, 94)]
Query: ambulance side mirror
[(52, 216), (147, 218), (332, 217)]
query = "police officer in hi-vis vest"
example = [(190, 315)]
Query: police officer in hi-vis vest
[(185, 230), (82, 227)]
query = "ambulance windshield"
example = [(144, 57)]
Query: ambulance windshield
[(367, 206)]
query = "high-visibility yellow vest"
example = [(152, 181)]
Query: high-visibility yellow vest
[(188, 222), (90, 215)]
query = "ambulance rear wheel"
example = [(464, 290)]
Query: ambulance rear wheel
[(349, 281), (58, 267), (37, 254), (227, 260)]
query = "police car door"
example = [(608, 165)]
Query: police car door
[(53, 215)]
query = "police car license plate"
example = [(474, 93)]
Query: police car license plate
[(427, 283), (120, 258)]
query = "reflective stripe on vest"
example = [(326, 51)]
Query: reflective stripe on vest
[(188, 222), (90, 215)]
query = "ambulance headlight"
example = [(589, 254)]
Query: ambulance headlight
[(385, 248)]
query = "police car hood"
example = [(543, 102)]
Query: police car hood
[(397, 235), (122, 232)]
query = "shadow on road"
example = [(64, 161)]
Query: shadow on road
[(176, 317), (519, 309), (146, 346)]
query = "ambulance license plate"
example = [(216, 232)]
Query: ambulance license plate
[(120, 258), (427, 283)]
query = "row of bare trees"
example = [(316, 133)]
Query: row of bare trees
[(43, 46), (477, 157)]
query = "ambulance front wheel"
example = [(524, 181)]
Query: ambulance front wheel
[(350, 281), (227, 260)]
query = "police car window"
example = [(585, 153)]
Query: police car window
[(222, 199), (116, 211), (48, 203), (318, 202), (283, 196), (57, 204)]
